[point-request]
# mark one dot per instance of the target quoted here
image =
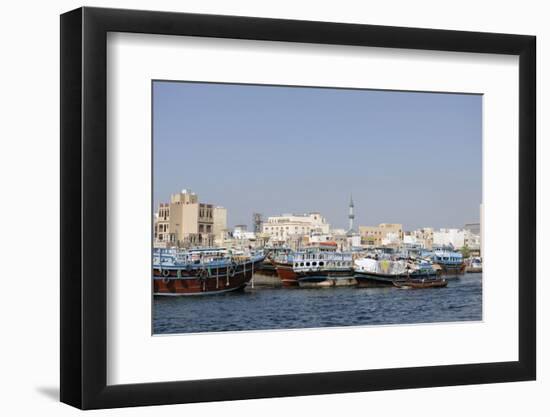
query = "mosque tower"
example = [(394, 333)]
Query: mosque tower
[(351, 216)]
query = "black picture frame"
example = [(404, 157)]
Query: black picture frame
[(84, 207)]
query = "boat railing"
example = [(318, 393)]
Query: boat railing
[(299, 257)]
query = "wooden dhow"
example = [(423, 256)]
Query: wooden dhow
[(201, 271), (420, 283), (323, 268)]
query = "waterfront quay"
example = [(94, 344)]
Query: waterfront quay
[(293, 271), (195, 253)]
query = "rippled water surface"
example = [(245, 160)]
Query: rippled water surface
[(279, 308)]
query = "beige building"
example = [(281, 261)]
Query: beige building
[(162, 225), (290, 226), (220, 224), (422, 237), (383, 234), (426, 235), (186, 222)]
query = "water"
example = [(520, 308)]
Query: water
[(279, 308)]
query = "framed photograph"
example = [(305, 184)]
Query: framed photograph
[(259, 208)]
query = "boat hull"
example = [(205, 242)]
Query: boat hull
[(262, 280), (420, 283), (326, 279), (451, 270), (348, 281), (267, 268), (374, 280), (286, 274), (184, 281)]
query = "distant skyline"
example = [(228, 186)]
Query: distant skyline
[(406, 157)]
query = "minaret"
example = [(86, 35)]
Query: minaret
[(351, 216)]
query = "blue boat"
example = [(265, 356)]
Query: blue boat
[(449, 262)]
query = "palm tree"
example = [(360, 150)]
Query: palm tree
[(465, 250)]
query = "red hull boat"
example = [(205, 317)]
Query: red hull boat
[(286, 274), (202, 278)]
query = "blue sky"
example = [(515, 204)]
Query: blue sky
[(407, 157)]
